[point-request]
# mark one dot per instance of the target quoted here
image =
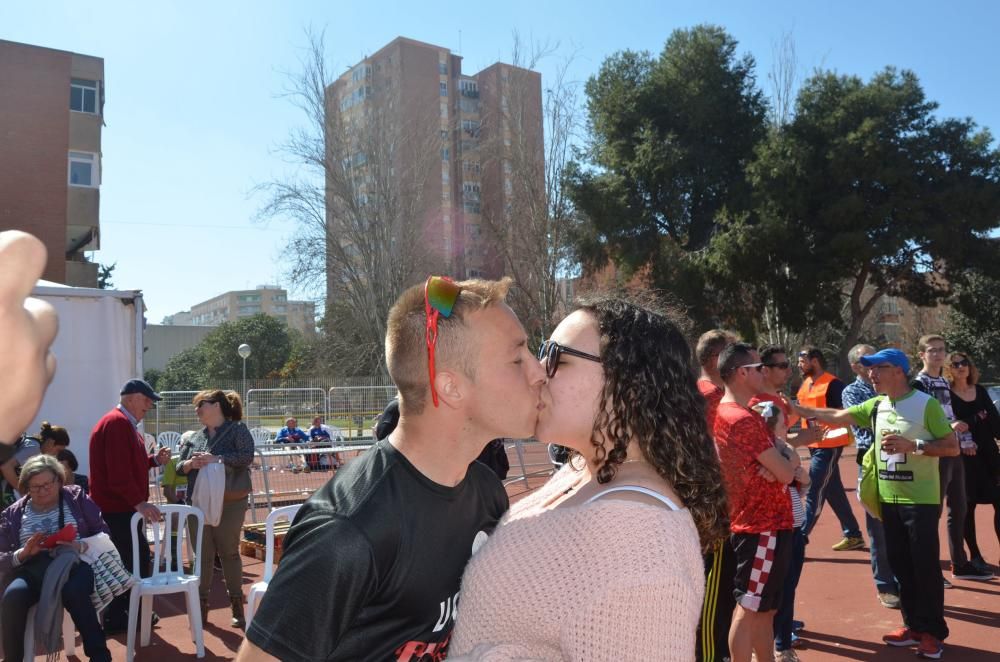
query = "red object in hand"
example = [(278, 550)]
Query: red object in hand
[(65, 534)]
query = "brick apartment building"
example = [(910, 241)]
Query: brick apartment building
[(51, 115), (472, 138)]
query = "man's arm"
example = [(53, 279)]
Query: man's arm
[(943, 447), (782, 468), (838, 417)]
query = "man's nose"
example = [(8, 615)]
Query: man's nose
[(536, 372)]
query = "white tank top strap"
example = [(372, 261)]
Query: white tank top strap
[(636, 488)]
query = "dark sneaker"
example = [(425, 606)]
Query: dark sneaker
[(902, 637), (980, 564), (930, 647), (798, 626), (847, 544), (968, 571)]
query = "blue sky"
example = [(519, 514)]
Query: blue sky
[(193, 113)]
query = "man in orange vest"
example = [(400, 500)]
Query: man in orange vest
[(821, 389)]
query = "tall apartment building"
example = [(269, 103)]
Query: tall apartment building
[(231, 306), (51, 115), (464, 141)]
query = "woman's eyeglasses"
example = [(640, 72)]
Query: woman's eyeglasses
[(962, 363), (440, 295), (550, 352)]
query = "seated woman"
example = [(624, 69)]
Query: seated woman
[(604, 561), (47, 507)]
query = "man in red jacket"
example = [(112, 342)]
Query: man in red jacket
[(119, 482)]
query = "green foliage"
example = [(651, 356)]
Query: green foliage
[(973, 325), (184, 372), (104, 274), (864, 188), (215, 360), (270, 341), (670, 139), (152, 377)]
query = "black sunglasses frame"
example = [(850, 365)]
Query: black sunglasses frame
[(783, 365), (550, 351)]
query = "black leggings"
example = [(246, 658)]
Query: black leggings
[(970, 528)]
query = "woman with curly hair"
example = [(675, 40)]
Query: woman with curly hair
[(604, 561)]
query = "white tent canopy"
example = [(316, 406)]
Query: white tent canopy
[(99, 348)]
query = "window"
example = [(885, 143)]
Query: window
[(469, 88), (443, 88), (361, 72), (279, 297), (444, 109), (444, 153), (83, 95), (83, 169), (279, 309), (471, 207), (442, 68), (468, 105), (471, 127), (444, 135), (475, 273)]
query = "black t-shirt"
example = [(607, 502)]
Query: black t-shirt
[(371, 566)]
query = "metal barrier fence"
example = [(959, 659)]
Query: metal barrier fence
[(269, 407), (354, 408), (174, 413), (282, 474), (285, 474), (531, 457)]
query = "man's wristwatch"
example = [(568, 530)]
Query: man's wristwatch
[(919, 450)]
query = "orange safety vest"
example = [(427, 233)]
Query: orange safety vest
[(812, 393)]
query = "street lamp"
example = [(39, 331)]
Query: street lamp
[(244, 352)]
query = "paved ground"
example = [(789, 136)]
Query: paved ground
[(836, 599)]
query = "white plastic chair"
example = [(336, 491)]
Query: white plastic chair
[(261, 436), (167, 580), (169, 440), (68, 634), (257, 590)]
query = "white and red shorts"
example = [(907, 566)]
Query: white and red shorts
[(762, 562)]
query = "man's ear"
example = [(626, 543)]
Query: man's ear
[(450, 387)]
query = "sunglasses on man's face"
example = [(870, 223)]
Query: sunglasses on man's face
[(550, 351), (783, 365), (961, 363), (440, 295)]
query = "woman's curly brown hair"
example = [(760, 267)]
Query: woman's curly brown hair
[(653, 399)]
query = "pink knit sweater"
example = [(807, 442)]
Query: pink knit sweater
[(609, 580)]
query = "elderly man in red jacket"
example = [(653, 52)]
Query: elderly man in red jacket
[(119, 482)]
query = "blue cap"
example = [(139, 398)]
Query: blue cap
[(889, 355), (139, 386)]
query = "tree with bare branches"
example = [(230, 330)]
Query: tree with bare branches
[(525, 146), (358, 204)]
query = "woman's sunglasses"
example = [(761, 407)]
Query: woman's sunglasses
[(962, 363), (440, 295), (550, 352)]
